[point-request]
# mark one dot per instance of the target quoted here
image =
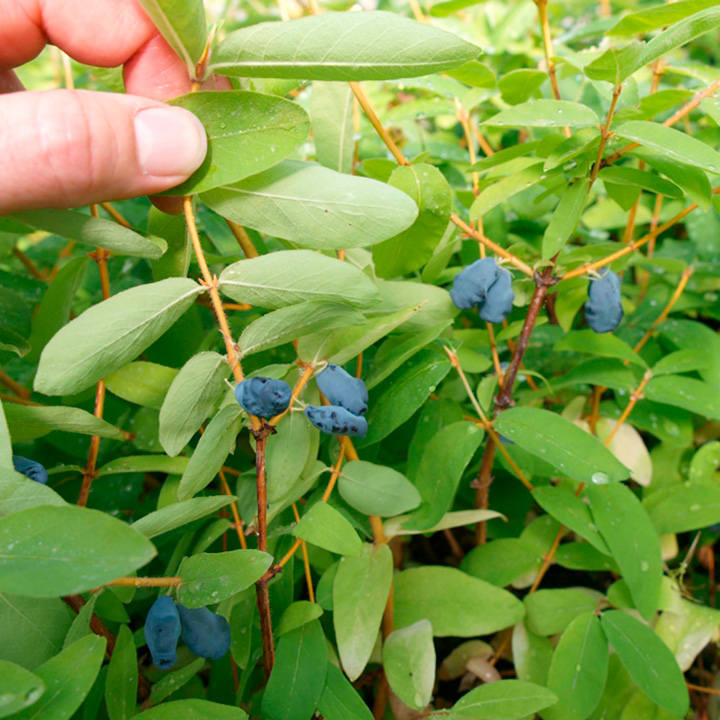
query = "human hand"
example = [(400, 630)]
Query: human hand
[(65, 148)]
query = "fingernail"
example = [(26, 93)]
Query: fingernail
[(169, 141)]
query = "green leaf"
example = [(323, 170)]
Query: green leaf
[(545, 113), (631, 537), (190, 399), (680, 361), (502, 700), (408, 658), (396, 525), (648, 660), (450, 599), (551, 611), (617, 64), (54, 309), (554, 439), (52, 551), (285, 324), (531, 654), (411, 249), (216, 443), (211, 577), (179, 514), (685, 392), (172, 681), (683, 507), (93, 231), (519, 85), (605, 345), (442, 465), (340, 700), (315, 207), (326, 527), (296, 615), (448, 7), (18, 688), (578, 669), (658, 16), (473, 73), (122, 678), (28, 422), (501, 561), (375, 46), (192, 710), (331, 115), (360, 591), (691, 179), (298, 676), (673, 144), (32, 630), (622, 175), (691, 335), (565, 218), (504, 189), (572, 512), (182, 24), (171, 228), (247, 133), (6, 452), (108, 335), (376, 489), (81, 624), (292, 276), (397, 397), (20, 493), (68, 678), (144, 464), (143, 383)]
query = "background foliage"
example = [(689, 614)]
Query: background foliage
[(528, 526)]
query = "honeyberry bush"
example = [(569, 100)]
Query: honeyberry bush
[(528, 525)]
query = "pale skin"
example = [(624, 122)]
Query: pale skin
[(67, 148)]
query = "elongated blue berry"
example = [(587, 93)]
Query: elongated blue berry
[(162, 631), (499, 299), (341, 388), (264, 397), (486, 285), (30, 468), (204, 632), (603, 310), (336, 420)]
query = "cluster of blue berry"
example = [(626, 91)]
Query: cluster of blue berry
[(204, 632), (348, 397), (486, 285)]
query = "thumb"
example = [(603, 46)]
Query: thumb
[(64, 148)]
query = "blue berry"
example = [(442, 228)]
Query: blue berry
[(486, 285), (204, 632), (30, 468), (162, 631), (264, 397), (341, 388), (603, 310), (336, 420)]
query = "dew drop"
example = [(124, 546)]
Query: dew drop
[(600, 478)]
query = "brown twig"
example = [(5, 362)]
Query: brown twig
[(243, 239), (634, 397), (14, 385), (548, 51), (239, 527), (173, 581), (115, 214), (29, 264), (605, 133)]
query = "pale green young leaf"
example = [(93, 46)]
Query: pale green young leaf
[(108, 335), (375, 46), (179, 514), (51, 551), (190, 399), (216, 443), (578, 669), (649, 661), (633, 541), (68, 678), (360, 590), (561, 443), (208, 578), (544, 113), (413, 247), (182, 23), (315, 207), (408, 658), (331, 116), (19, 688), (291, 276), (298, 676), (396, 525), (122, 678), (247, 133), (502, 700), (94, 231), (328, 528), (376, 490), (449, 599)]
